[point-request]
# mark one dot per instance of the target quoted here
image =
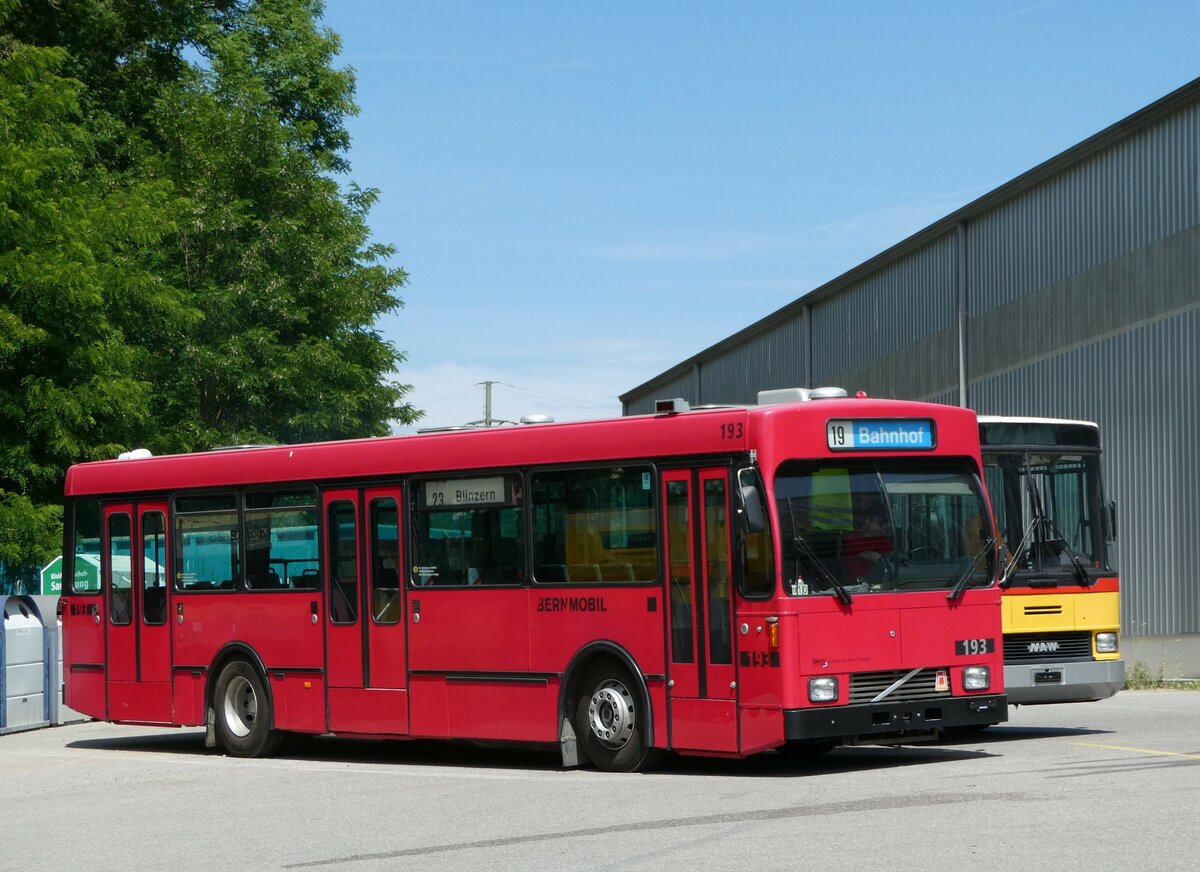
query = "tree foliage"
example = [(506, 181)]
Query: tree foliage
[(181, 264)]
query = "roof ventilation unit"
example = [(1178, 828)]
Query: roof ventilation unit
[(135, 454), (798, 395)]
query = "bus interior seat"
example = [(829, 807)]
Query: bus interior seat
[(385, 604), (154, 603), (341, 602), (553, 573), (268, 580), (681, 626), (119, 611), (583, 572), (310, 579), (617, 572)]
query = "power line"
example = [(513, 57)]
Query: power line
[(574, 401), (450, 395)]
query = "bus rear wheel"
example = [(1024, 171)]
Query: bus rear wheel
[(243, 713), (611, 723)]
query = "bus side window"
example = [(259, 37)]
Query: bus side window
[(281, 540), (120, 570), (343, 563), (207, 542), (595, 525), (385, 559), (468, 545), (85, 576), (154, 570)]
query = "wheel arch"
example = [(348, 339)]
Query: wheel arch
[(237, 651), (594, 653)]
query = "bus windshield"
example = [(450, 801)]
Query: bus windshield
[(1049, 513), (865, 527)]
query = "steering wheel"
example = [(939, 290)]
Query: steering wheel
[(880, 571)]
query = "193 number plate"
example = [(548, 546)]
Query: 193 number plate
[(971, 647)]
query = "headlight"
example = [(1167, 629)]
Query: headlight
[(822, 689), (977, 678), (1106, 643)]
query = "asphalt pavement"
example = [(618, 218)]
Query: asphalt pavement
[(1112, 785)]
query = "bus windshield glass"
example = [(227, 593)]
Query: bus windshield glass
[(866, 527), (1049, 513)]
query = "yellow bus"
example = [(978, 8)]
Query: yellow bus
[(1060, 592)]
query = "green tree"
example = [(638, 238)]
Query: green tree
[(73, 241), (182, 263), (272, 252)]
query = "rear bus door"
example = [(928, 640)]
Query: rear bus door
[(702, 679), (84, 615), (135, 603)]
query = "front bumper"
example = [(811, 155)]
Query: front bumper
[(1049, 682), (893, 719)]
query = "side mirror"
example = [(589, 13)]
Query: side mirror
[(751, 509), (1112, 520)]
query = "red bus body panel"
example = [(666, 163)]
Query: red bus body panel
[(498, 663)]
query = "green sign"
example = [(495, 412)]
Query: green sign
[(87, 574)]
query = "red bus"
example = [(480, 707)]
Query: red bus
[(716, 581)]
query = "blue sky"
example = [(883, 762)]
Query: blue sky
[(585, 195)]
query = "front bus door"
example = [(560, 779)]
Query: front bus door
[(702, 680), (135, 570), (366, 651)]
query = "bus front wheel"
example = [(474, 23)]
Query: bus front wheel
[(243, 713), (611, 722)]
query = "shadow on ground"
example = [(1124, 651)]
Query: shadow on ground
[(459, 754)]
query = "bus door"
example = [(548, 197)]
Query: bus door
[(365, 647), (701, 676), (136, 602), (84, 614)]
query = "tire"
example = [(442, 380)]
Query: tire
[(243, 713), (611, 722)]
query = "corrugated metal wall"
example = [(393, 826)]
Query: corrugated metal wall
[(897, 306), (771, 359), (1142, 189)]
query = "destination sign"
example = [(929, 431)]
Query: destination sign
[(914, 434), (457, 492)]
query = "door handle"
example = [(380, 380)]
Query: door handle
[(313, 607), (416, 611), (179, 612)]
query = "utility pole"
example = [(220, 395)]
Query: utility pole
[(488, 420), (487, 403)]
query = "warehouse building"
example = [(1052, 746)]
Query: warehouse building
[(1072, 291)]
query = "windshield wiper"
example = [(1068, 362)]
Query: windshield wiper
[(828, 577), (1011, 567), (1048, 531), (964, 576), (1076, 563)]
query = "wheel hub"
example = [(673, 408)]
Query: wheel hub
[(241, 707), (611, 714)]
